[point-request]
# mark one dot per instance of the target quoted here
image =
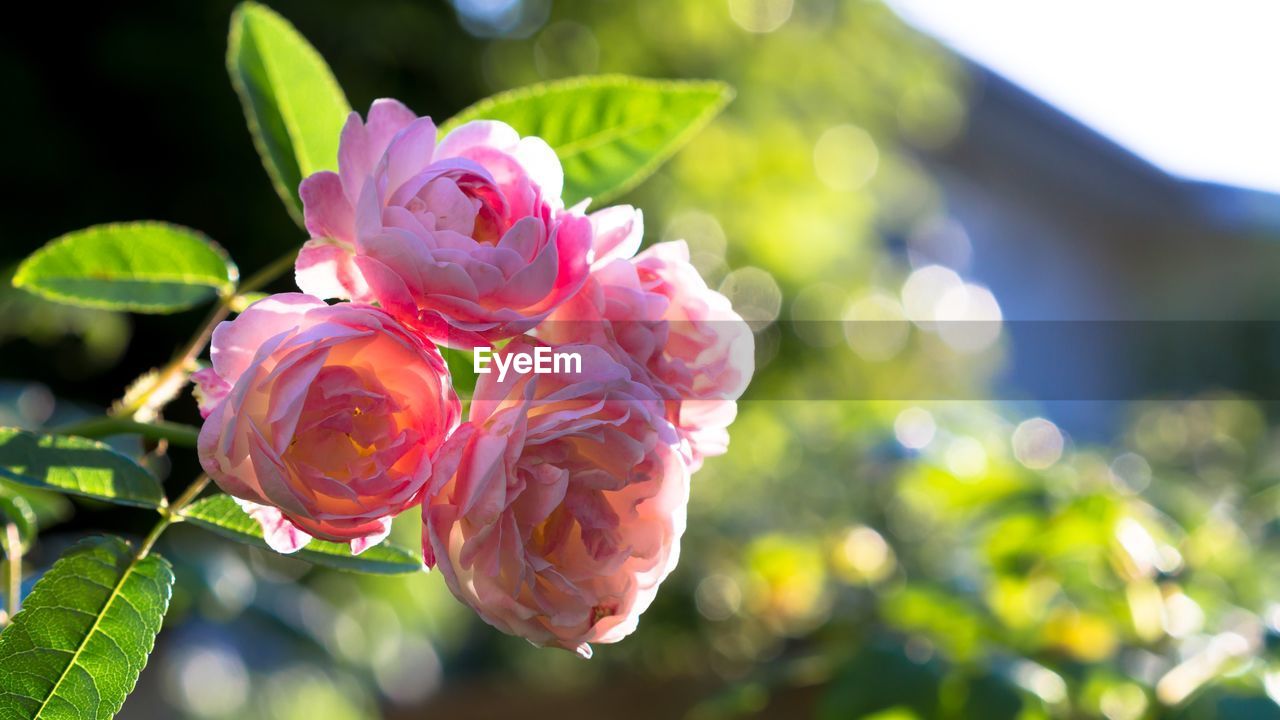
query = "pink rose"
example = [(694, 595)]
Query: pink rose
[(322, 420), (655, 311), (467, 240), (557, 510)]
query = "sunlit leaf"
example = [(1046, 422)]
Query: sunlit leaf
[(610, 131), (293, 104), (146, 266), (78, 466), (84, 633), (223, 516), (461, 371)]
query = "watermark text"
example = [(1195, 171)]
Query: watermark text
[(543, 360)]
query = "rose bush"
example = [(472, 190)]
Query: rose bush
[(557, 510), (467, 239), (323, 420)]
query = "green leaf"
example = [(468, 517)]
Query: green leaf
[(78, 466), (293, 104), (462, 371), (610, 131), (109, 426), (223, 516), (147, 266), (84, 633)]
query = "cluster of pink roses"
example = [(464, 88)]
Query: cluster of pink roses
[(556, 510)]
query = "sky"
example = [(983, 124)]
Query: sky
[(1193, 87)]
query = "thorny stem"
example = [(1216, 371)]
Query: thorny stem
[(185, 358), (170, 514)]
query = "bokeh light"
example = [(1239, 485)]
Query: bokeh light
[(760, 16), (845, 157), (1037, 443)]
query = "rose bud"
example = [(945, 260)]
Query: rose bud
[(323, 421)]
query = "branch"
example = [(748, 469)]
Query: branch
[(169, 515)]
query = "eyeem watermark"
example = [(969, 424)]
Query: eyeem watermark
[(541, 361)]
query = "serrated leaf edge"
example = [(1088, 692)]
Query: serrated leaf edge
[(115, 593)]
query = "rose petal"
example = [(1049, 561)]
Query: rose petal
[(234, 344), (410, 152), (386, 118), (209, 389), (542, 165), (617, 232), (327, 211), (359, 545), (477, 133), (280, 534), (326, 269)]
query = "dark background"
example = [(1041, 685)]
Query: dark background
[(123, 111)]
